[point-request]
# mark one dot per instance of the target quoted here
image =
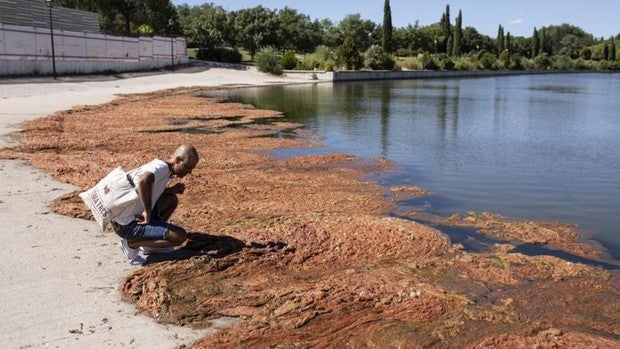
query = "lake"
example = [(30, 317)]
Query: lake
[(543, 147)]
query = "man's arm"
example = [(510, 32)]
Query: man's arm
[(145, 192)]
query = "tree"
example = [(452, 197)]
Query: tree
[(458, 34), (358, 30), (387, 42), (569, 46), (378, 59), (500, 41), (606, 52), (446, 31), (612, 50), (255, 28), (474, 41), (296, 32), (508, 43), (543, 41), (348, 55), (535, 43), (206, 26)]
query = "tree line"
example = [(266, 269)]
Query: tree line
[(209, 27)]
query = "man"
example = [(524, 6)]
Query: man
[(143, 224)]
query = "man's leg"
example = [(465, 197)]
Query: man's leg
[(165, 206), (174, 236)]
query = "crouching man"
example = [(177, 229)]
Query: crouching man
[(143, 225)]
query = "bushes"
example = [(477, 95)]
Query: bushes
[(428, 62), (348, 56), (444, 62), (486, 60), (219, 54), (542, 61), (378, 59), (268, 61), (288, 61)]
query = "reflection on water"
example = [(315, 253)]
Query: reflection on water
[(537, 147)]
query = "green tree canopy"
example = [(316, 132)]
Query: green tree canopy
[(255, 28), (296, 32)]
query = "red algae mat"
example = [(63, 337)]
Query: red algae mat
[(303, 250)]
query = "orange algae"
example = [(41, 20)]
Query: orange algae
[(301, 249)]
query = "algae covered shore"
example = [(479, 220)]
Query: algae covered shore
[(302, 249)]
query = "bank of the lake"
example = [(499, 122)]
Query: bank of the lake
[(536, 146)]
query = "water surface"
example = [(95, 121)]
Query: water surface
[(537, 147)]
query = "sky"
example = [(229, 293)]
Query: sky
[(519, 17)]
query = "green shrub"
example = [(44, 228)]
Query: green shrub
[(562, 62), (463, 65), (586, 53), (378, 59), (288, 61), (219, 54), (486, 60), (322, 58), (444, 62), (580, 64), (268, 61), (410, 63), (348, 56), (428, 62), (542, 61)]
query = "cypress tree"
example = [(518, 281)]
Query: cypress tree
[(535, 43), (458, 34), (508, 43), (500, 40), (446, 29), (612, 50), (388, 45), (606, 52), (543, 41)]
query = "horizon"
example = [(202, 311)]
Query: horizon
[(519, 19)]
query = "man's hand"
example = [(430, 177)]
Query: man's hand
[(144, 218)]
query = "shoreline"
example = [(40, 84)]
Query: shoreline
[(60, 275), (429, 248)]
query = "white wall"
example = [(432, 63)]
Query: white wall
[(27, 50)]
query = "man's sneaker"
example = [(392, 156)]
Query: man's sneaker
[(153, 250), (131, 254)]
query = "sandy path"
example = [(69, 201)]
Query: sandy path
[(60, 275)]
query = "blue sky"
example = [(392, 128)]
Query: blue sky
[(598, 17)]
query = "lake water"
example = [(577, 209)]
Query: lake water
[(535, 146)]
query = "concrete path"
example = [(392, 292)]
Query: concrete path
[(59, 276)]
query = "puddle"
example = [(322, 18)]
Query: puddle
[(188, 130), (473, 241)]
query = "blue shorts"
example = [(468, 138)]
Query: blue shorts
[(155, 230)]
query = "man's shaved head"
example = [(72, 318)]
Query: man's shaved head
[(188, 154)]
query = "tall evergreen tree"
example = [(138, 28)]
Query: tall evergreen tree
[(388, 44), (606, 52), (535, 43), (458, 35), (500, 42), (543, 40), (612, 50), (508, 43), (446, 29)]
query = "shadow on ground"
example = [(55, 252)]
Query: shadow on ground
[(215, 246)]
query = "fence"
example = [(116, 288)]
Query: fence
[(27, 51), (34, 13)]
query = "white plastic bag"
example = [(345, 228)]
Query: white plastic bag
[(110, 197)]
